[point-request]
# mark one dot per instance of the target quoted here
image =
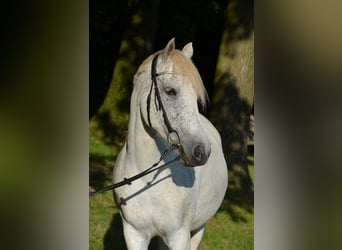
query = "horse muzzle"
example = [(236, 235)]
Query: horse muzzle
[(194, 156)]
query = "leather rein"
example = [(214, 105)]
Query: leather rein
[(171, 130)]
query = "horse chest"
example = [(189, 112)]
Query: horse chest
[(159, 202)]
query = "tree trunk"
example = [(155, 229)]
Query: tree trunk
[(110, 122), (233, 95), (105, 32)]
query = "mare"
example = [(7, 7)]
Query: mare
[(176, 201)]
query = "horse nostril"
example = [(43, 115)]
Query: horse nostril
[(199, 154)]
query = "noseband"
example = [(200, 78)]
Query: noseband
[(158, 102)]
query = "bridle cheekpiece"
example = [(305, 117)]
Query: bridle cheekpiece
[(159, 104)]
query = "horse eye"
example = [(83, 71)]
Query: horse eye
[(170, 91)]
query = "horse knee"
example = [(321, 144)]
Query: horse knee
[(135, 240), (179, 240)]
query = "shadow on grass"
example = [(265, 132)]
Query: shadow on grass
[(238, 201), (234, 201), (114, 238), (100, 170)]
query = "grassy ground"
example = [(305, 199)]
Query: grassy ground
[(231, 228)]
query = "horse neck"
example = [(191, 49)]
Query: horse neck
[(142, 145)]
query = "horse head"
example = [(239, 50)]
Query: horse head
[(172, 88)]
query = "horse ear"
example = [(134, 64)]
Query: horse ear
[(169, 49), (188, 50)]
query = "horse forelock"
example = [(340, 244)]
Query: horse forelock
[(183, 66)]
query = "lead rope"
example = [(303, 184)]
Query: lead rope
[(128, 181)]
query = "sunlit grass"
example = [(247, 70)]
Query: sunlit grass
[(225, 231)]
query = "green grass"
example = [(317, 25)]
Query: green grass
[(231, 228)]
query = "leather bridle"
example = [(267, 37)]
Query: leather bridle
[(159, 103)]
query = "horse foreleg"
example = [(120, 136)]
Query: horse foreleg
[(179, 240), (135, 240), (196, 237)]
